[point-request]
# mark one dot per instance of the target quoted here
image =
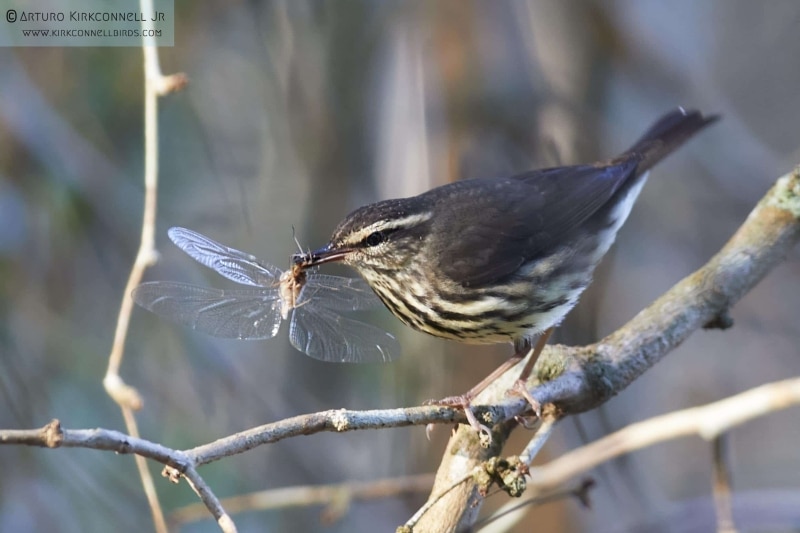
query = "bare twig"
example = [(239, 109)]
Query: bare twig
[(337, 497), (721, 485), (148, 485), (708, 421), (338, 420), (543, 433), (210, 500), (126, 396), (54, 436)]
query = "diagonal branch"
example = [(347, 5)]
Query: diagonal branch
[(201, 488), (709, 421)]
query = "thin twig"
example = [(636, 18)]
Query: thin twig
[(543, 433), (721, 485), (159, 522), (54, 436), (309, 424), (708, 421), (126, 396), (337, 497), (210, 500), (338, 420)]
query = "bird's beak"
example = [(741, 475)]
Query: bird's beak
[(326, 254)]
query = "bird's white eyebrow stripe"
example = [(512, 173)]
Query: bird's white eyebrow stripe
[(384, 225)]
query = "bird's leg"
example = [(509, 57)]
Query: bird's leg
[(519, 385), (521, 349), (464, 400)]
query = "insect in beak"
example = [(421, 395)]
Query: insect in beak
[(326, 254)]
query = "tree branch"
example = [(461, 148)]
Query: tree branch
[(337, 420), (210, 500)]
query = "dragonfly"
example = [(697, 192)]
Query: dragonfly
[(313, 303)]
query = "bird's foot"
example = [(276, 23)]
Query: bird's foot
[(464, 403)]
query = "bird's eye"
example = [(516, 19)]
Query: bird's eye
[(374, 238)]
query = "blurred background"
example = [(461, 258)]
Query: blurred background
[(298, 112)]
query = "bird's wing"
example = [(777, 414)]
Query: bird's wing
[(531, 214)]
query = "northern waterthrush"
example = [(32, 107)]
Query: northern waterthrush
[(504, 259)]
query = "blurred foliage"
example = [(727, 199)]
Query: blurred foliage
[(296, 113)]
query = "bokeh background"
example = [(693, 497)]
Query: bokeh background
[(299, 111)]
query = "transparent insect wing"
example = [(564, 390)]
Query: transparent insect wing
[(230, 314), (233, 264), (326, 335), (316, 328), (339, 294)]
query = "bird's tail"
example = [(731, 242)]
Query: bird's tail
[(666, 135)]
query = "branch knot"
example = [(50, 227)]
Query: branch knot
[(52, 434)]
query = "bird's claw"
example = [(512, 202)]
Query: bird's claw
[(429, 430), (520, 389), (484, 432), (464, 403)]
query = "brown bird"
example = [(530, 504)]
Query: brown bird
[(484, 261)]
